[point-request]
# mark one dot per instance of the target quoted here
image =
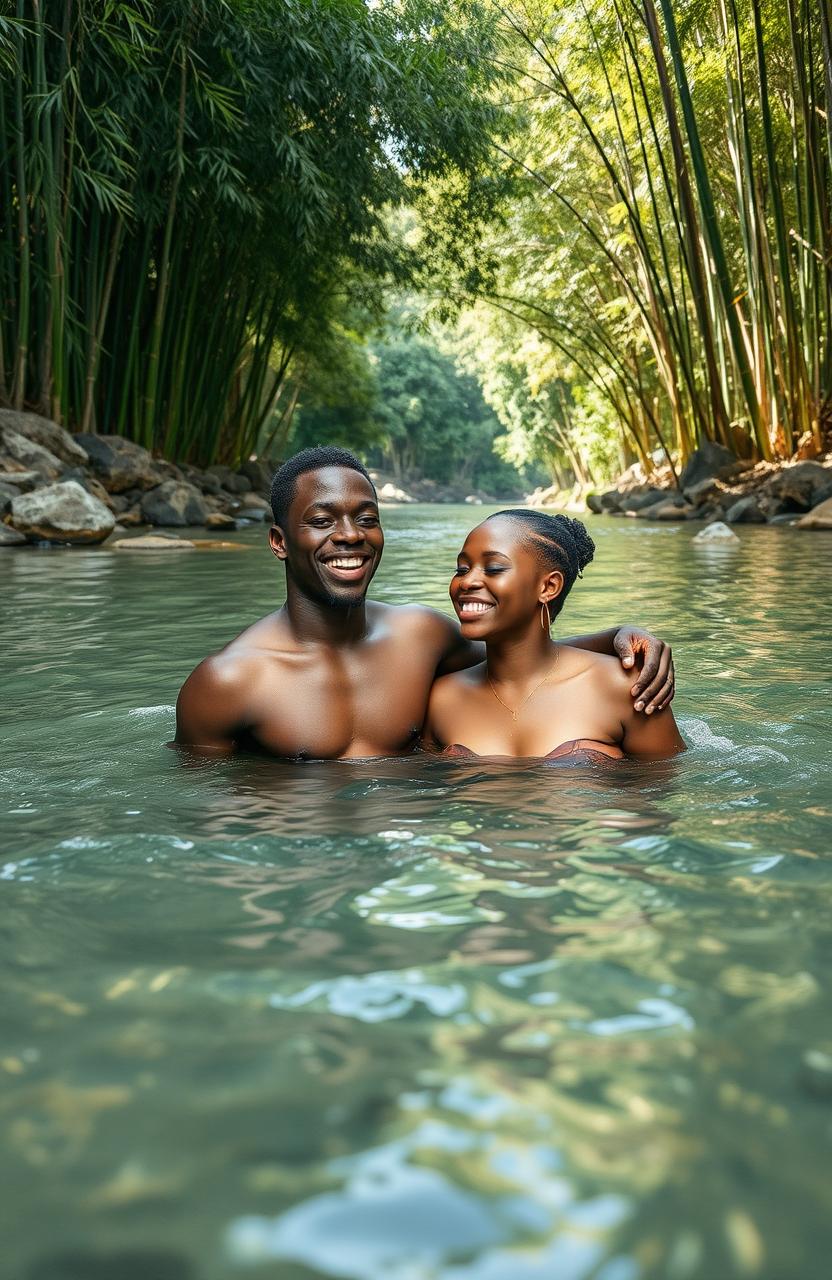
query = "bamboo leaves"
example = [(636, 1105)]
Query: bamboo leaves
[(186, 186), (689, 148)]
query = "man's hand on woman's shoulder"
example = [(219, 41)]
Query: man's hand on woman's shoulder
[(655, 684)]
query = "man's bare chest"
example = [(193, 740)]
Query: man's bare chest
[(345, 705)]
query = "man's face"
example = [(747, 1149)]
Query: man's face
[(332, 540)]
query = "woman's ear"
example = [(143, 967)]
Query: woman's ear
[(277, 542), (552, 586)]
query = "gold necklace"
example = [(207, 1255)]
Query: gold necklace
[(515, 711)]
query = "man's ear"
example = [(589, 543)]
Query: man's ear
[(277, 542), (552, 586)]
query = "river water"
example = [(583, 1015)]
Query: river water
[(416, 1019)]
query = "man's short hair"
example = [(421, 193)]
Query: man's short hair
[(283, 484)]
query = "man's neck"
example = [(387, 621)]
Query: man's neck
[(317, 622)]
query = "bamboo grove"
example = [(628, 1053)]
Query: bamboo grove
[(671, 239), (190, 190)]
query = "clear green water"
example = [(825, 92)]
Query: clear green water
[(417, 1018)]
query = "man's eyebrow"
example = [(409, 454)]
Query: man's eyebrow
[(336, 506)]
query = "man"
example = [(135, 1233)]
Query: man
[(331, 675)]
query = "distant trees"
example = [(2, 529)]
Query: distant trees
[(190, 190), (404, 400)]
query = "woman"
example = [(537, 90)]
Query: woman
[(532, 697)]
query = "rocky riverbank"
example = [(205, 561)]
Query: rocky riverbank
[(56, 487), (80, 489), (715, 485)]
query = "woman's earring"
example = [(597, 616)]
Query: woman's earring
[(545, 620)]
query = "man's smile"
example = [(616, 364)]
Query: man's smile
[(347, 567)]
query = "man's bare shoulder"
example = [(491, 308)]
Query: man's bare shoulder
[(414, 620), (239, 662)]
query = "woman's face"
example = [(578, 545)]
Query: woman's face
[(500, 580)]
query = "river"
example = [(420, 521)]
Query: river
[(417, 1019)]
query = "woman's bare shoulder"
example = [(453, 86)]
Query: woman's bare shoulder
[(595, 667), (447, 689)]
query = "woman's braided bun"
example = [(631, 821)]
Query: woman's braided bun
[(562, 541)]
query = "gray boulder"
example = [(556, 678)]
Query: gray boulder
[(10, 537), (205, 481), (20, 481), (7, 493), (45, 433), (236, 483), (703, 490), (745, 510), (253, 502), (801, 487), (649, 498), (62, 513), (710, 462), (231, 481), (218, 520), (820, 517), (174, 503), (609, 500), (30, 454), (258, 473), (120, 464), (671, 510), (93, 486)]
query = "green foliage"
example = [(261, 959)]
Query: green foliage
[(405, 403), (662, 268), (188, 191)]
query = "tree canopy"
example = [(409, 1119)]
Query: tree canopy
[(190, 189)]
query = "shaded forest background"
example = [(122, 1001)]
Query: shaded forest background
[(481, 243)]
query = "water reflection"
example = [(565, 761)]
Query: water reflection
[(418, 1018)]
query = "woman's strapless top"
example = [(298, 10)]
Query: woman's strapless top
[(579, 750)]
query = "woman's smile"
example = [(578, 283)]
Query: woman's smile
[(471, 608)]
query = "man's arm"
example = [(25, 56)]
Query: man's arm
[(211, 707), (656, 683), (653, 739), (653, 690)]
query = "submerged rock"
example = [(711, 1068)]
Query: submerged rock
[(10, 537), (154, 542), (219, 520), (174, 503), (716, 532), (62, 513)]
